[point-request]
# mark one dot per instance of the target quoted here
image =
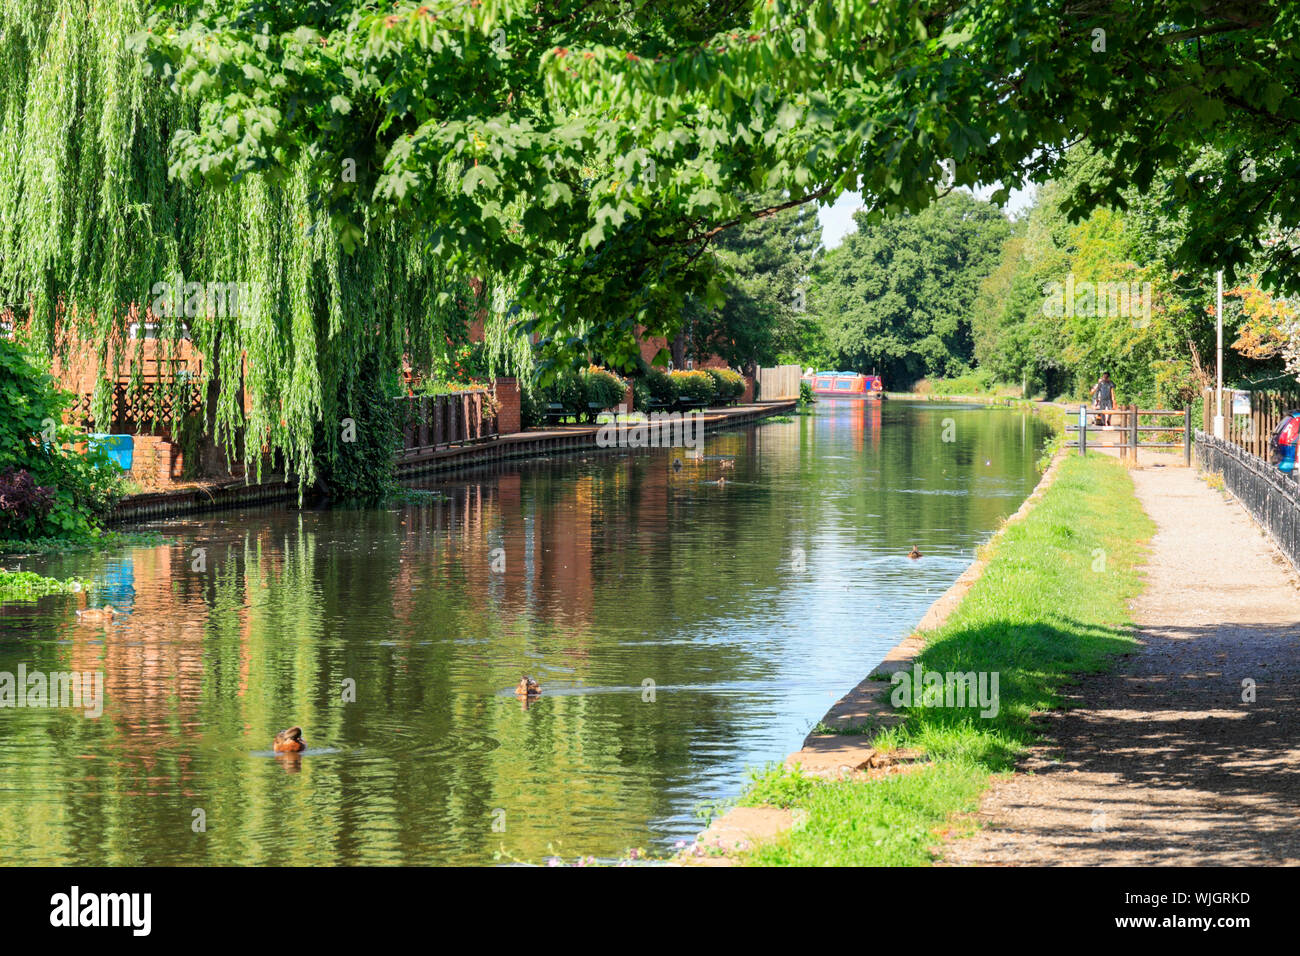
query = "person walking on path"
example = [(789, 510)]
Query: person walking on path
[(1103, 396)]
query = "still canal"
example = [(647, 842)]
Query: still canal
[(682, 631)]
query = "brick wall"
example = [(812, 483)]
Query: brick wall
[(507, 391), (155, 461)]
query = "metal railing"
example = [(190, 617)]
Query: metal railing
[(1125, 424), (1271, 497)]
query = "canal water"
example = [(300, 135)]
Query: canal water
[(682, 632)]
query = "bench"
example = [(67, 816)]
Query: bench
[(555, 413)]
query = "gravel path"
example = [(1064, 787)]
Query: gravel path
[(1161, 762)]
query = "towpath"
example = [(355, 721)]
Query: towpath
[(1162, 762)]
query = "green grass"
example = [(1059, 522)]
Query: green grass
[(1038, 616), (972, 383), (852, 730)]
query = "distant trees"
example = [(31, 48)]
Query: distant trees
[(896, 297), (1069, 300), (766, 266)]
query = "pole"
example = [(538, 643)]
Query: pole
[(1218, 338), (1083, 432), (1187, 435), (1133, 434)]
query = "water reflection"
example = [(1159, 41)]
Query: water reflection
[(680, 630)]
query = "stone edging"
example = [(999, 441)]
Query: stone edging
[(835, 755)]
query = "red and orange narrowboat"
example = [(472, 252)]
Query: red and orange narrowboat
[(847, 385)]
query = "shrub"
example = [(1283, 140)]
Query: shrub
[(23, 503), (532, 406), (661, 386), (729, 384), (641, 393), (603, 387), (34, 440), (695, 385), (571, 392)]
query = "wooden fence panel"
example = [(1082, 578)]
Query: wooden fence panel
[(436, 421), (778, 383), (1250, 432)]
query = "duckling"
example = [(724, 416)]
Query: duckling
[(105, 613), (722, 481), (914, 554), (528, 687), (289, 741)]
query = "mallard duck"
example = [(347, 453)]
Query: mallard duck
[(914, 554), (104, 613), (722, 481), (677, 464), (528, 687), (289, 741)]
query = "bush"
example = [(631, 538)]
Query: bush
[(978, 382), (641, 393), (571, 392), (532, 407), (603, 387), (35, 441), (23, 503), (695, 385), (661, 386), (729, 384)]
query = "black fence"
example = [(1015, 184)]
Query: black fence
[(1271, 497)]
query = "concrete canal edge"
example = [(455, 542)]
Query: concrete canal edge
[(836, 755), (237, 493)]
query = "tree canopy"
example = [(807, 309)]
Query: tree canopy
[(581, 148), (365, 161), (896, 296), (766, 266)]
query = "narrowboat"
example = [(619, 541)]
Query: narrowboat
[(847, 385)]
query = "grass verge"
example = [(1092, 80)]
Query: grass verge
[(1050, 605)]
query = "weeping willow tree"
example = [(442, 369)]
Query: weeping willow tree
[(96, 236)]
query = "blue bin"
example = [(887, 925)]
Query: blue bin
[(119, 448)]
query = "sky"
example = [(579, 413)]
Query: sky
[(837, 218)]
